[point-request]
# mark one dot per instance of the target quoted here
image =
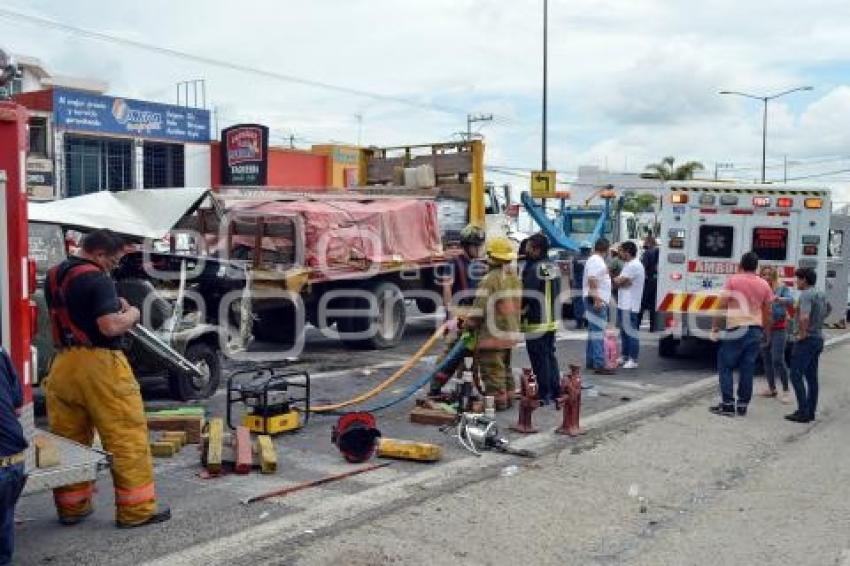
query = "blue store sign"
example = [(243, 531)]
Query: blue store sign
[(80, 111)]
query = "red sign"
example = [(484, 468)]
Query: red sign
[(244, 157), (713, 267), (770, 238)]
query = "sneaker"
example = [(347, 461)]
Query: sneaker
[(630, 364), (797, 417), (785, 398), (160, 516), (723, 410), (741, 410), (71, 520)]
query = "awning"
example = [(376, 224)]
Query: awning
[(145, 213)]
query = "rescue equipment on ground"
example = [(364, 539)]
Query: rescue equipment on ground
[(409, 450), (528, 402), (271, 407), (611, 348), (570, 401), (313, 483), (477, 433), (356, 435)]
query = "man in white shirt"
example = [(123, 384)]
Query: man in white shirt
[(596, 290), (629, 296)]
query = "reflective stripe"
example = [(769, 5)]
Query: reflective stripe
[(134, 495), (549, 324), (69, 498)]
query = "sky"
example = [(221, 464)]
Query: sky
[(630, 81)]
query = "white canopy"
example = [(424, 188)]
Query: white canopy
[(146, 213)]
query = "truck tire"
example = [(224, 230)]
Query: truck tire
[(667, 347), (136, 292), (185, 387), (386, 328)]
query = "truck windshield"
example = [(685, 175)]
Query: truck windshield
[(585, 225), (716, 241)]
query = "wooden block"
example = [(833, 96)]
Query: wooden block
[(215, 437), (421, 415), (178, 436), (163, 449), (191, 424), (268, 454), (242, 448), (46, 452)]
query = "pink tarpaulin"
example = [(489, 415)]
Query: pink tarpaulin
[(341, 232)]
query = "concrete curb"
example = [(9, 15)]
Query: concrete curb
[(380, 499)]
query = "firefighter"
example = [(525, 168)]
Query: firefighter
[(541, 288), (496, 313), (459, 283), (91, 386)]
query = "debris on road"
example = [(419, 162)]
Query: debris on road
[(313, 483)]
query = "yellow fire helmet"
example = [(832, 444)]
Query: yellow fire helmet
[(501, 249)]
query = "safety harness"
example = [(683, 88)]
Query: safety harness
[(59, 278)]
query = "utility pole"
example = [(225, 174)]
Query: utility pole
[(545, 75), (472, 118)]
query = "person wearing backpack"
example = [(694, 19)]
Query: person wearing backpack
[(811, 311)]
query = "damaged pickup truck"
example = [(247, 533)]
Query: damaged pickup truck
[(178, 291)]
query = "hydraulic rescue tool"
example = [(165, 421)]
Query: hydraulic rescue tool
[(477, 432), (528, 402), (271, 408), (158, 347)]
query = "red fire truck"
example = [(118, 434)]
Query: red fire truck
[(17, 314)]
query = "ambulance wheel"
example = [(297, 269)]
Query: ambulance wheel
[(381, 329), (187, 387), (667, 347)]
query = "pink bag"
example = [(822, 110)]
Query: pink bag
[(612, 349)]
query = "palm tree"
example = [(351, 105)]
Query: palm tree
[(666, 171)]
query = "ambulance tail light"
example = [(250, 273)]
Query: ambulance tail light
[(676, 276), (785, 202), (810, 250), (813, 203), (679, 198), (761, 201)]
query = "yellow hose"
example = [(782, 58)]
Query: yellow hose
[(390, 380)]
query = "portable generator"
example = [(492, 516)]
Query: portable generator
[(270, 406)]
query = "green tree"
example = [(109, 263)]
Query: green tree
[(639, 202), (667, 170)]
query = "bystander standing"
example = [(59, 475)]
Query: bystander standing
[(596, 290), (12, 447), (629, 284), (649, 259), (773, 351)]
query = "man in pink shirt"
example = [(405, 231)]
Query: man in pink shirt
[(746, 306)]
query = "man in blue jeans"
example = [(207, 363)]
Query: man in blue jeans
[(12, 447), (596, 289), (629, 285), (746, 307), (811, 312)]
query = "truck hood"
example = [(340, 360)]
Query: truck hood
[(143, 213)]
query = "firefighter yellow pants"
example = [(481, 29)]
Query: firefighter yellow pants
[(92, 389)]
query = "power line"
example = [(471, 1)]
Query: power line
[(100, 36)]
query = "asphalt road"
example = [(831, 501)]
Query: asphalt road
[(681, 488), (208, 509)]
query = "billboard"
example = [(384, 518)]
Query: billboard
[(245, 155), (82, 111)]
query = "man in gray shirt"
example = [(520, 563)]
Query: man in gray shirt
[(810, 314)]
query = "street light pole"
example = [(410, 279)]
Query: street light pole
[(765, 100), (545, 74)]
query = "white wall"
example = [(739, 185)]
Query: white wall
[(197, 166)]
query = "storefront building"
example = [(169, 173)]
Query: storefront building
[(83, 142)]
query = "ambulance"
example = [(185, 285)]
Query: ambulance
[(705, 229), (70, 462)]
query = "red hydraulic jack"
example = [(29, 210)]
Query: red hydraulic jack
[(570, 400), (528, 402)]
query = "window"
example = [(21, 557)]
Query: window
[(163, 165), (836, 243), (95, 164), (38, 137), (770, 244), (716, 241)]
